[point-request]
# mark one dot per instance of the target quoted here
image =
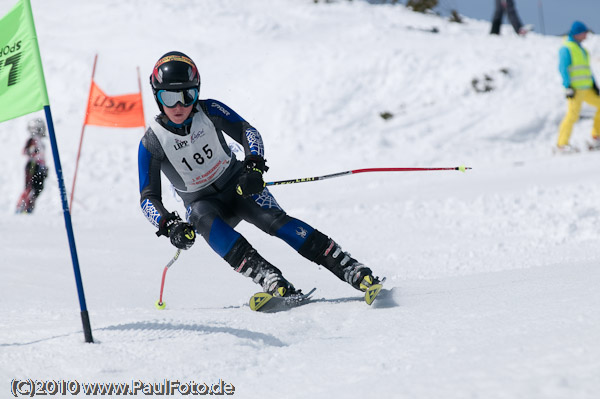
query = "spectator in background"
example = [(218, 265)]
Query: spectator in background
[(513, 17), (580, 86), (35, 169)]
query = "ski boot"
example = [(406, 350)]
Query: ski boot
[(355, 273), (274, 284), (325, 252), (343, 265), (248, 262)]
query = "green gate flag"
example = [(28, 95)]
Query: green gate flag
[(22, 85), (22, 91)]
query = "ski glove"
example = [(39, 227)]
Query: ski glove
[(251, 180), (569, 92), (182, 234), (167, 222)]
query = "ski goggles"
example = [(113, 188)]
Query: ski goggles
[(170, 99)]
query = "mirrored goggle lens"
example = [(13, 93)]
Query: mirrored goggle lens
[(171, 98)]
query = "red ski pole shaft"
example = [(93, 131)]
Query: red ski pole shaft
[(356, 171), (162, 285), (164, 275)]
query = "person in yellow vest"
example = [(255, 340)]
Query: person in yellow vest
[(580, 86)]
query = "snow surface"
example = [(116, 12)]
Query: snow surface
[(495, 271)]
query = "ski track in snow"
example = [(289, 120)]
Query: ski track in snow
[(494, 271)]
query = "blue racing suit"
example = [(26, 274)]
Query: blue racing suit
[(214, 209), (196, 159)]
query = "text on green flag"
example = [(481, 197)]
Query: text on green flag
[(22, 86)]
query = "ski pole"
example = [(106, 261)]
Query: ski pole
[(160, 304), (356, 171)]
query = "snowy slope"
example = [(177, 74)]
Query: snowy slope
[(495, 271)]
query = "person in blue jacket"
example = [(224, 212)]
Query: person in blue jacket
[(185, 142), (580, 86)]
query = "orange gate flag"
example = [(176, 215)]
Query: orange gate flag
[(114, 111)]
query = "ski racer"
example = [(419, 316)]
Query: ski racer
[(36, 170), (186, 143)]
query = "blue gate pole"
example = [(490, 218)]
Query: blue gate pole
[(85, 318)]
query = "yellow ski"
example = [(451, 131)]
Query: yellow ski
[(267, 303), (372, 293), (259, 299)]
